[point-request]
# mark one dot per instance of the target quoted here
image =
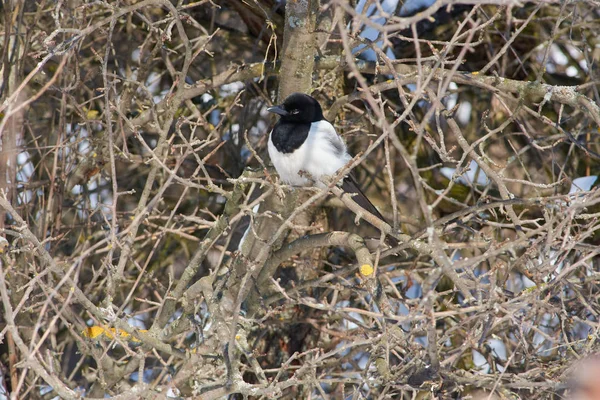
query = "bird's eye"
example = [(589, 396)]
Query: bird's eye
[(294, 111)]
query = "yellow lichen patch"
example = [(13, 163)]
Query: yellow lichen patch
[(93, 332), (98, 332), (366, 269), (92, 114)]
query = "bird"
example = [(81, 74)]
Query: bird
[(304, 145)]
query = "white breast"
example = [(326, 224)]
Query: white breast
[(323, 153)]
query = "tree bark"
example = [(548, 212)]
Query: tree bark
[(298, 56)]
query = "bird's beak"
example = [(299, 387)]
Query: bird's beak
[(278, 110)]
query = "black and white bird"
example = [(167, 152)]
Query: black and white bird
[(304, 143)]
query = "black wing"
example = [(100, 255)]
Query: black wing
[(349, 185)]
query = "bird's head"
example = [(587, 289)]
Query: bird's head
[(299, 108)]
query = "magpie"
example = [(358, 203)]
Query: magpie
[(304, 143)]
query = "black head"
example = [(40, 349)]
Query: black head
[(299, 108)]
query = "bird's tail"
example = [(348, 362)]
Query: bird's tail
[(349, 185)]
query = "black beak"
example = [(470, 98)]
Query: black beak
[(278, 110)]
